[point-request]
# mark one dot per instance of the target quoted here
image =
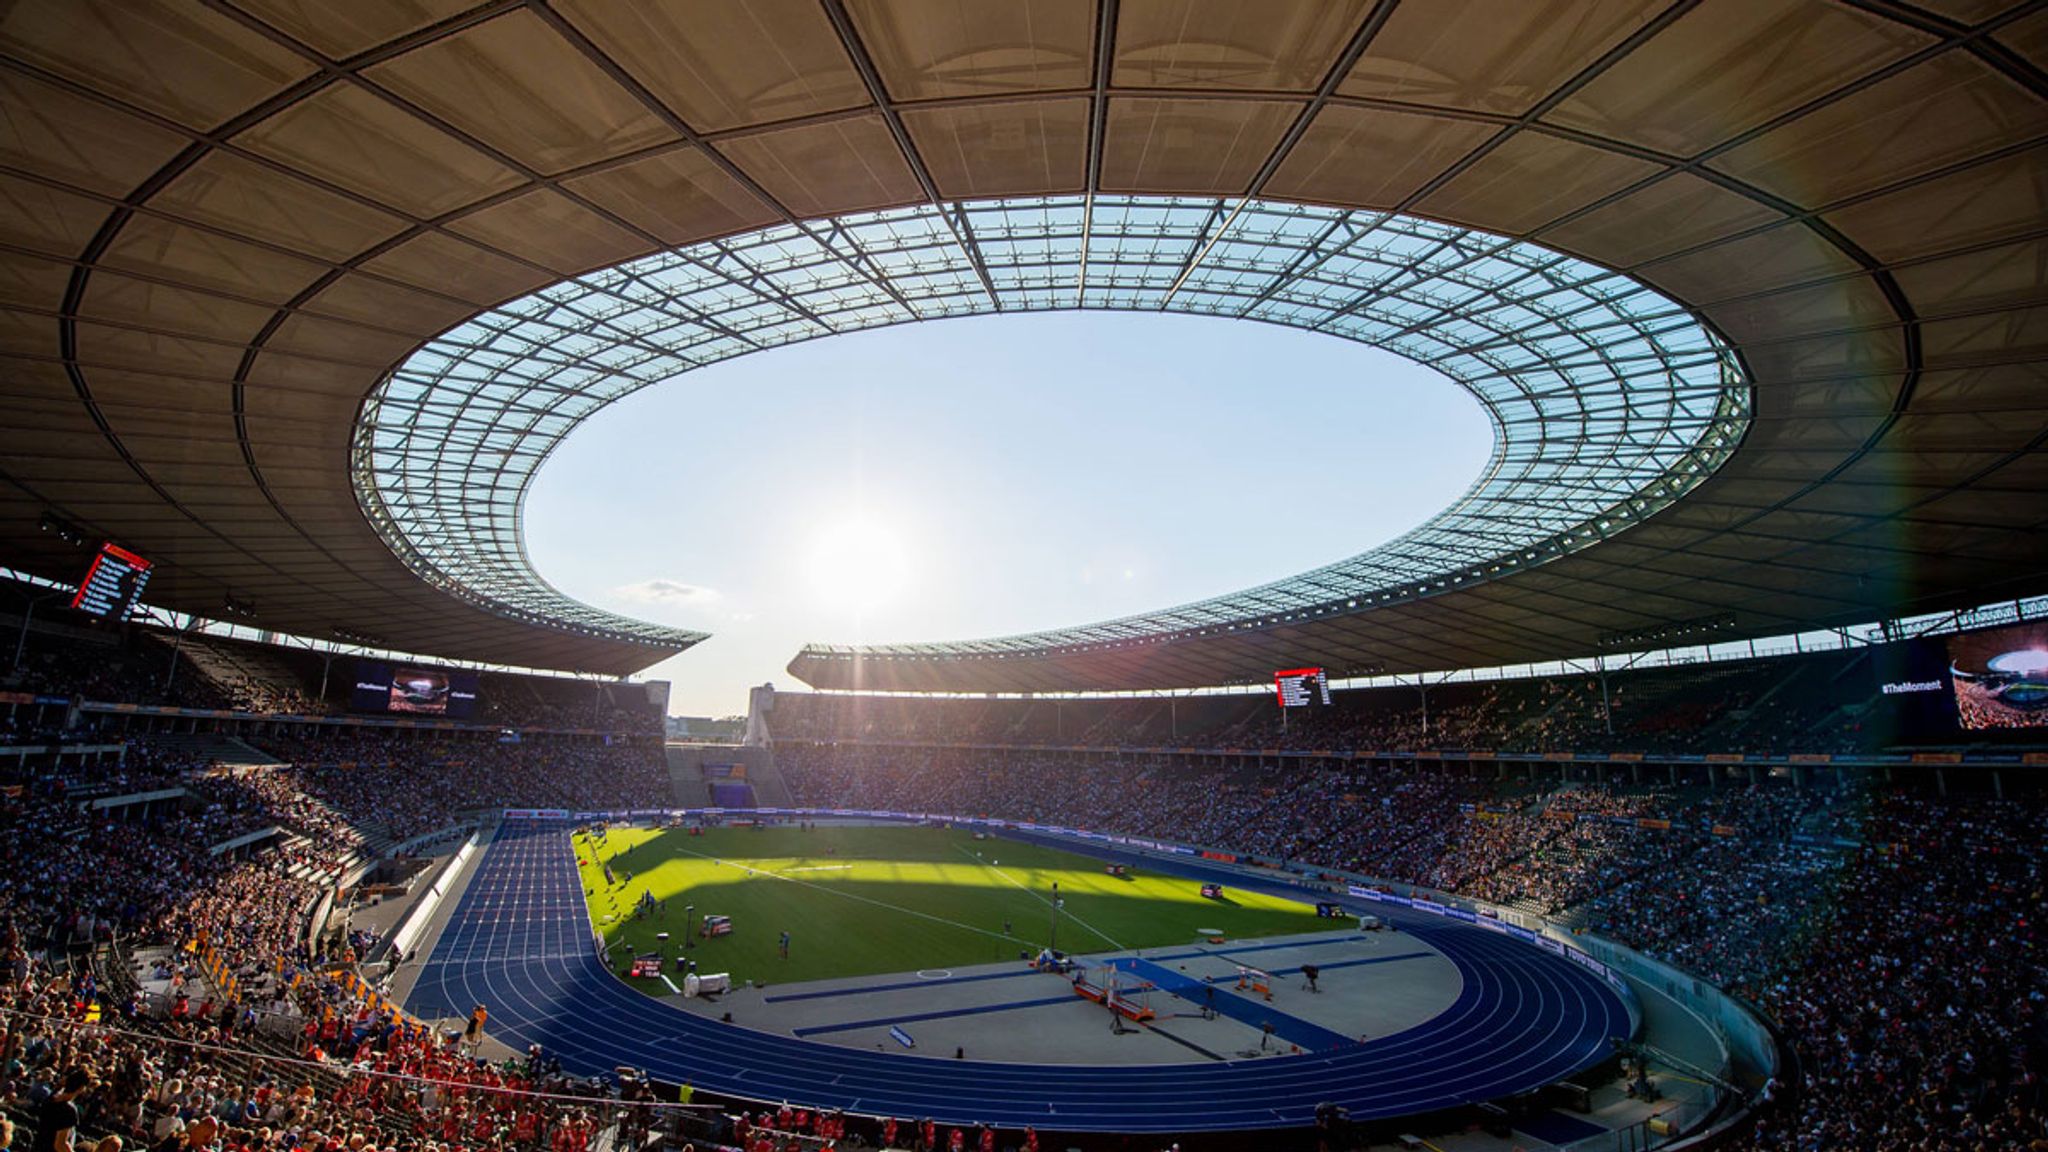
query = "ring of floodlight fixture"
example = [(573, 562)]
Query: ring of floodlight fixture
[(1609, 400)]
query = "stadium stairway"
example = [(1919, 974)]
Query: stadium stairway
[(770, 789), (214, 748), (250, 674), (1736, 727), (687, 761), (686, 779), (375, 845)]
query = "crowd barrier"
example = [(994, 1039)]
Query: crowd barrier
[(421, 913)]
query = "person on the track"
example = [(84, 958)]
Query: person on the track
[(474, 1034)]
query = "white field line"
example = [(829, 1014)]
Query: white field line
[(752, 871), (1113, 945)]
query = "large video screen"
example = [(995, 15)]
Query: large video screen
[(1301, 687), (113, 584), (411, 691), (1914, 704), (2001, 677)]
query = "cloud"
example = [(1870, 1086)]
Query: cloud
[(663, 591)]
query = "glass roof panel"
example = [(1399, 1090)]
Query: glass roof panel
[(1609, 400)]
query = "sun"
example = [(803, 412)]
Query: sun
[(859, 564)]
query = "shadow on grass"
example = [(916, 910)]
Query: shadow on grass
[(864, 900), (843, 926)]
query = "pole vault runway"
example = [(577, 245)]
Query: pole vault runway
[(519, 942)]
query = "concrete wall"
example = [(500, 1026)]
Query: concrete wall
[(1749, 1043), (407, 931)]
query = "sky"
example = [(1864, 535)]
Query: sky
[(958, 479)]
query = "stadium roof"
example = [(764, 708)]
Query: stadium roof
[(1821, 364), (1608, 400)]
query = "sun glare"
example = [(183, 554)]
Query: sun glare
[(859, 564)]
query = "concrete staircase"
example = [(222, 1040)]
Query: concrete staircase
[(249, 673), (686, 773), (376, 845), (770, 789), (686, 779), (214, 748)]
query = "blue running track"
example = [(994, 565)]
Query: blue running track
[(519, 941)]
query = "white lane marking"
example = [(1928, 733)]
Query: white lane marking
[(1113, 945)]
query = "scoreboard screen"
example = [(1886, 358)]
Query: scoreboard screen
[(113, 584), (1302, 687), (379, 687)]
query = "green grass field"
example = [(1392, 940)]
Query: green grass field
[(864, 900)]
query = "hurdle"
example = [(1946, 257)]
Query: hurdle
[(1135, 1007), (1253, 980)]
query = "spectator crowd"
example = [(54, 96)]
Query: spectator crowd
[(1895, 936), (1821, 703), (170, 994), (246, 1028)]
